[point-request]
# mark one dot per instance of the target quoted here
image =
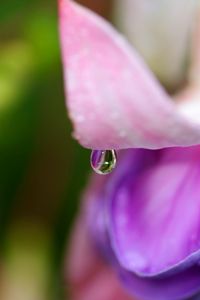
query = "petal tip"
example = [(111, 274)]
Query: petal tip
[(105, 76)]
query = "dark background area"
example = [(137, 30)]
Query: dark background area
[(42, 169)]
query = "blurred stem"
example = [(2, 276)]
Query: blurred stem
[(78, 177)]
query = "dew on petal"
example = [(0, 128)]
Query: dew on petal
[(103, 162)]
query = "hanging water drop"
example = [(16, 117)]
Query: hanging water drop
[(103, 161)]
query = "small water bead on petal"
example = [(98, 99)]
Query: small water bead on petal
[(103, 162)]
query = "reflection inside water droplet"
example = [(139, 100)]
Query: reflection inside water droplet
[(103, 161)]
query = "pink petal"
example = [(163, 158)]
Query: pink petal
[(114, 101), (88, 277)]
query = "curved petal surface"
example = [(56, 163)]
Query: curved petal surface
[(145, 218), (177, 287), (147, 206), (114, 101)]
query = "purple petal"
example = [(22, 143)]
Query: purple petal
[(148, 208), (176, 287), (149, 212)]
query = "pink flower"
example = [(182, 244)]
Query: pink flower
[(113, 99), (89, 276), (143, 220)]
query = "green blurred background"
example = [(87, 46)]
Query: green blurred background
[(39, 161)]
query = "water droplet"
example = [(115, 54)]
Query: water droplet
[(103, 161)]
